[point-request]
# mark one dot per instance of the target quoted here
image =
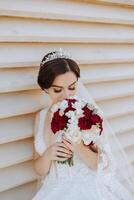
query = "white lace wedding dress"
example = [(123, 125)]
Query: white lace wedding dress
[(77, 182)]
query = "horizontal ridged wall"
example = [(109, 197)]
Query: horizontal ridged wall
[(100, 37)]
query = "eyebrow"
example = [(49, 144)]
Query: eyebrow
[(61, 86)]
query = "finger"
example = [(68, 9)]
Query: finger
[(61, 154), (64, 138), (62, 145), (56, 158), (64, 150), (94, 148), (67, 142), (60, 159), (68, 145)]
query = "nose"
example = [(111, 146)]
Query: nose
[(65, 94)]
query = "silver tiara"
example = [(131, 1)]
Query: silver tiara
[(58, 54)]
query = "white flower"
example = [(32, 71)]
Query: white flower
[(74, 136), (90, 106), (86, 137), (95, 111), (70, 114), (90, 135), (63, 105), (54, 108), (73, 125), (58, 136), (95, 129), (79, 113), (79, 104), (61, 112), (73, 97)]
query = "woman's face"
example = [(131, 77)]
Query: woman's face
[(63, 86)]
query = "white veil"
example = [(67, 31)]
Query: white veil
[(114, 173)]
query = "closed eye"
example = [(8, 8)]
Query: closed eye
[(58, 91), (72, 88)]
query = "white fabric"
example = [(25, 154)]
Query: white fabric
[(64, 182), (78, 182), (119, 171), (38, 130)]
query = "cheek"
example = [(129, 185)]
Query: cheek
[(73, 92), (56, 96)]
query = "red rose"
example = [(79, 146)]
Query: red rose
[(69, 108), (87, 111), (70, 101), (96, 119), (84, 123), (58, 122)]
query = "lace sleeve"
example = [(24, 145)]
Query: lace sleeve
[(39, 142), (103, 157)]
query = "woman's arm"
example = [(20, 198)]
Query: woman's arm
[(57, 152), (89, 156), (42, 163)]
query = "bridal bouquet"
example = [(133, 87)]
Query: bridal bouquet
[(76, 119)]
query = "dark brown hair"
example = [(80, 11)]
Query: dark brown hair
[(51, 69)]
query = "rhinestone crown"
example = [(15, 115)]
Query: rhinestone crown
[(58, 54)]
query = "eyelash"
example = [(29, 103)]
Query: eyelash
[(58, 91)]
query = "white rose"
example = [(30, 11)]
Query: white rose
[(79, 112), (74, 136), (87, 137), (90, 135), (63, 104), (54, 108), (61, 112), (95, 130), (90, 106), (78, 105), (73, 97), (70, 114), (73, 125)]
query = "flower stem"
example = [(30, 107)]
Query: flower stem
[(69, 161)]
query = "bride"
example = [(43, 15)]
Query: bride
[(98, 172)]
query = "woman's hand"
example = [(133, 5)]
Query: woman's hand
[(59, 152), (77, 147), (73, 147), (89, 156)]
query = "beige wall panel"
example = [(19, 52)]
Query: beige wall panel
[(99, 35)]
